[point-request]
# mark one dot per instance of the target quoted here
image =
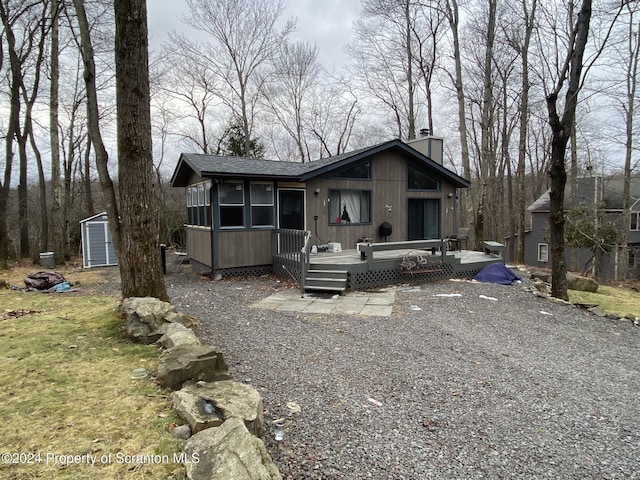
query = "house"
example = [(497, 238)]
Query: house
[(591, 191), (234, 204)]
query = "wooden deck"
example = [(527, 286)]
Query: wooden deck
[(384, 267), (378, 264), (352, 257)]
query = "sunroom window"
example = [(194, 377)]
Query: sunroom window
[(199, 205), (262, 204), (231, 200)]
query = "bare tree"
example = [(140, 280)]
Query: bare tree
[(521, 45), (54, 136), (334, 113), (630, 60), (139, 259), (295, 71), (93, 124), (245, 36), (383, 61), (195, 91), (26, 29), (561, 124), (452, 13), (487, 153), (428, 31)]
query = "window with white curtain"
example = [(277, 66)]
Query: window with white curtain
[(349, 206)]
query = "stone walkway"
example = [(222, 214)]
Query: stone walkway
[(372, 304)]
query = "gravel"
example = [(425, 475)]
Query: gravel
[(464, 387)]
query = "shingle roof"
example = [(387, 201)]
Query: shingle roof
[(612, 188), (224, 166)]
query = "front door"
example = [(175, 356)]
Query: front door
[(423, 218), (291, 209)]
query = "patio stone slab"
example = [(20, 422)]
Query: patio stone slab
[(379, 303), (320, 307), (381, 299), (293, 306), (377, 310), (349, 308)]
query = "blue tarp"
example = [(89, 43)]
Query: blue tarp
[(496, 273)]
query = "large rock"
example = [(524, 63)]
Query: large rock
[(145, 318), (583, 284), (208, 404), (191, 362), (177, 334), (228, 452)]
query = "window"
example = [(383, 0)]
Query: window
[(349, 206), (231, 198), (199, 204), (634, 257), (543, 252), (360, 171), (418, 180), (262, 204), (635, 221)]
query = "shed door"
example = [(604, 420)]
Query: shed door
[(99, 248)]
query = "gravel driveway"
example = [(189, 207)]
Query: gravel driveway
[(464, 387)]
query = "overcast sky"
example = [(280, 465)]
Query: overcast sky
[(325, 23)]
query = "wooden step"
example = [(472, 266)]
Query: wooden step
[(326, 280)]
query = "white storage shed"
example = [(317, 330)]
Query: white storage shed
[(97, 247)]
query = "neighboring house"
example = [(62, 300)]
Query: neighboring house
[(591, 191), (234, 204)]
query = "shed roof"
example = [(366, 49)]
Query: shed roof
[(93, 217), (239, 167)]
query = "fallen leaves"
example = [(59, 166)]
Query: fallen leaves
[(17, 313)]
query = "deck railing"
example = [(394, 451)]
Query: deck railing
[(291, 253)]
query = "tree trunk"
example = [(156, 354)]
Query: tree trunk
[(632, 70), (452, 14), (88, 190), (139, 260), (42, 186), (57, 239), (524, 127), (23, 202), (561, 131), (93, 125), (410, 85), (486, 123)]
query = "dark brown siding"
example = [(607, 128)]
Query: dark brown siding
[(243, 248), (199, 244), (388, 187)]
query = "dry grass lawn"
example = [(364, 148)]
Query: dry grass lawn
[(66, 389), (612, 299)]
